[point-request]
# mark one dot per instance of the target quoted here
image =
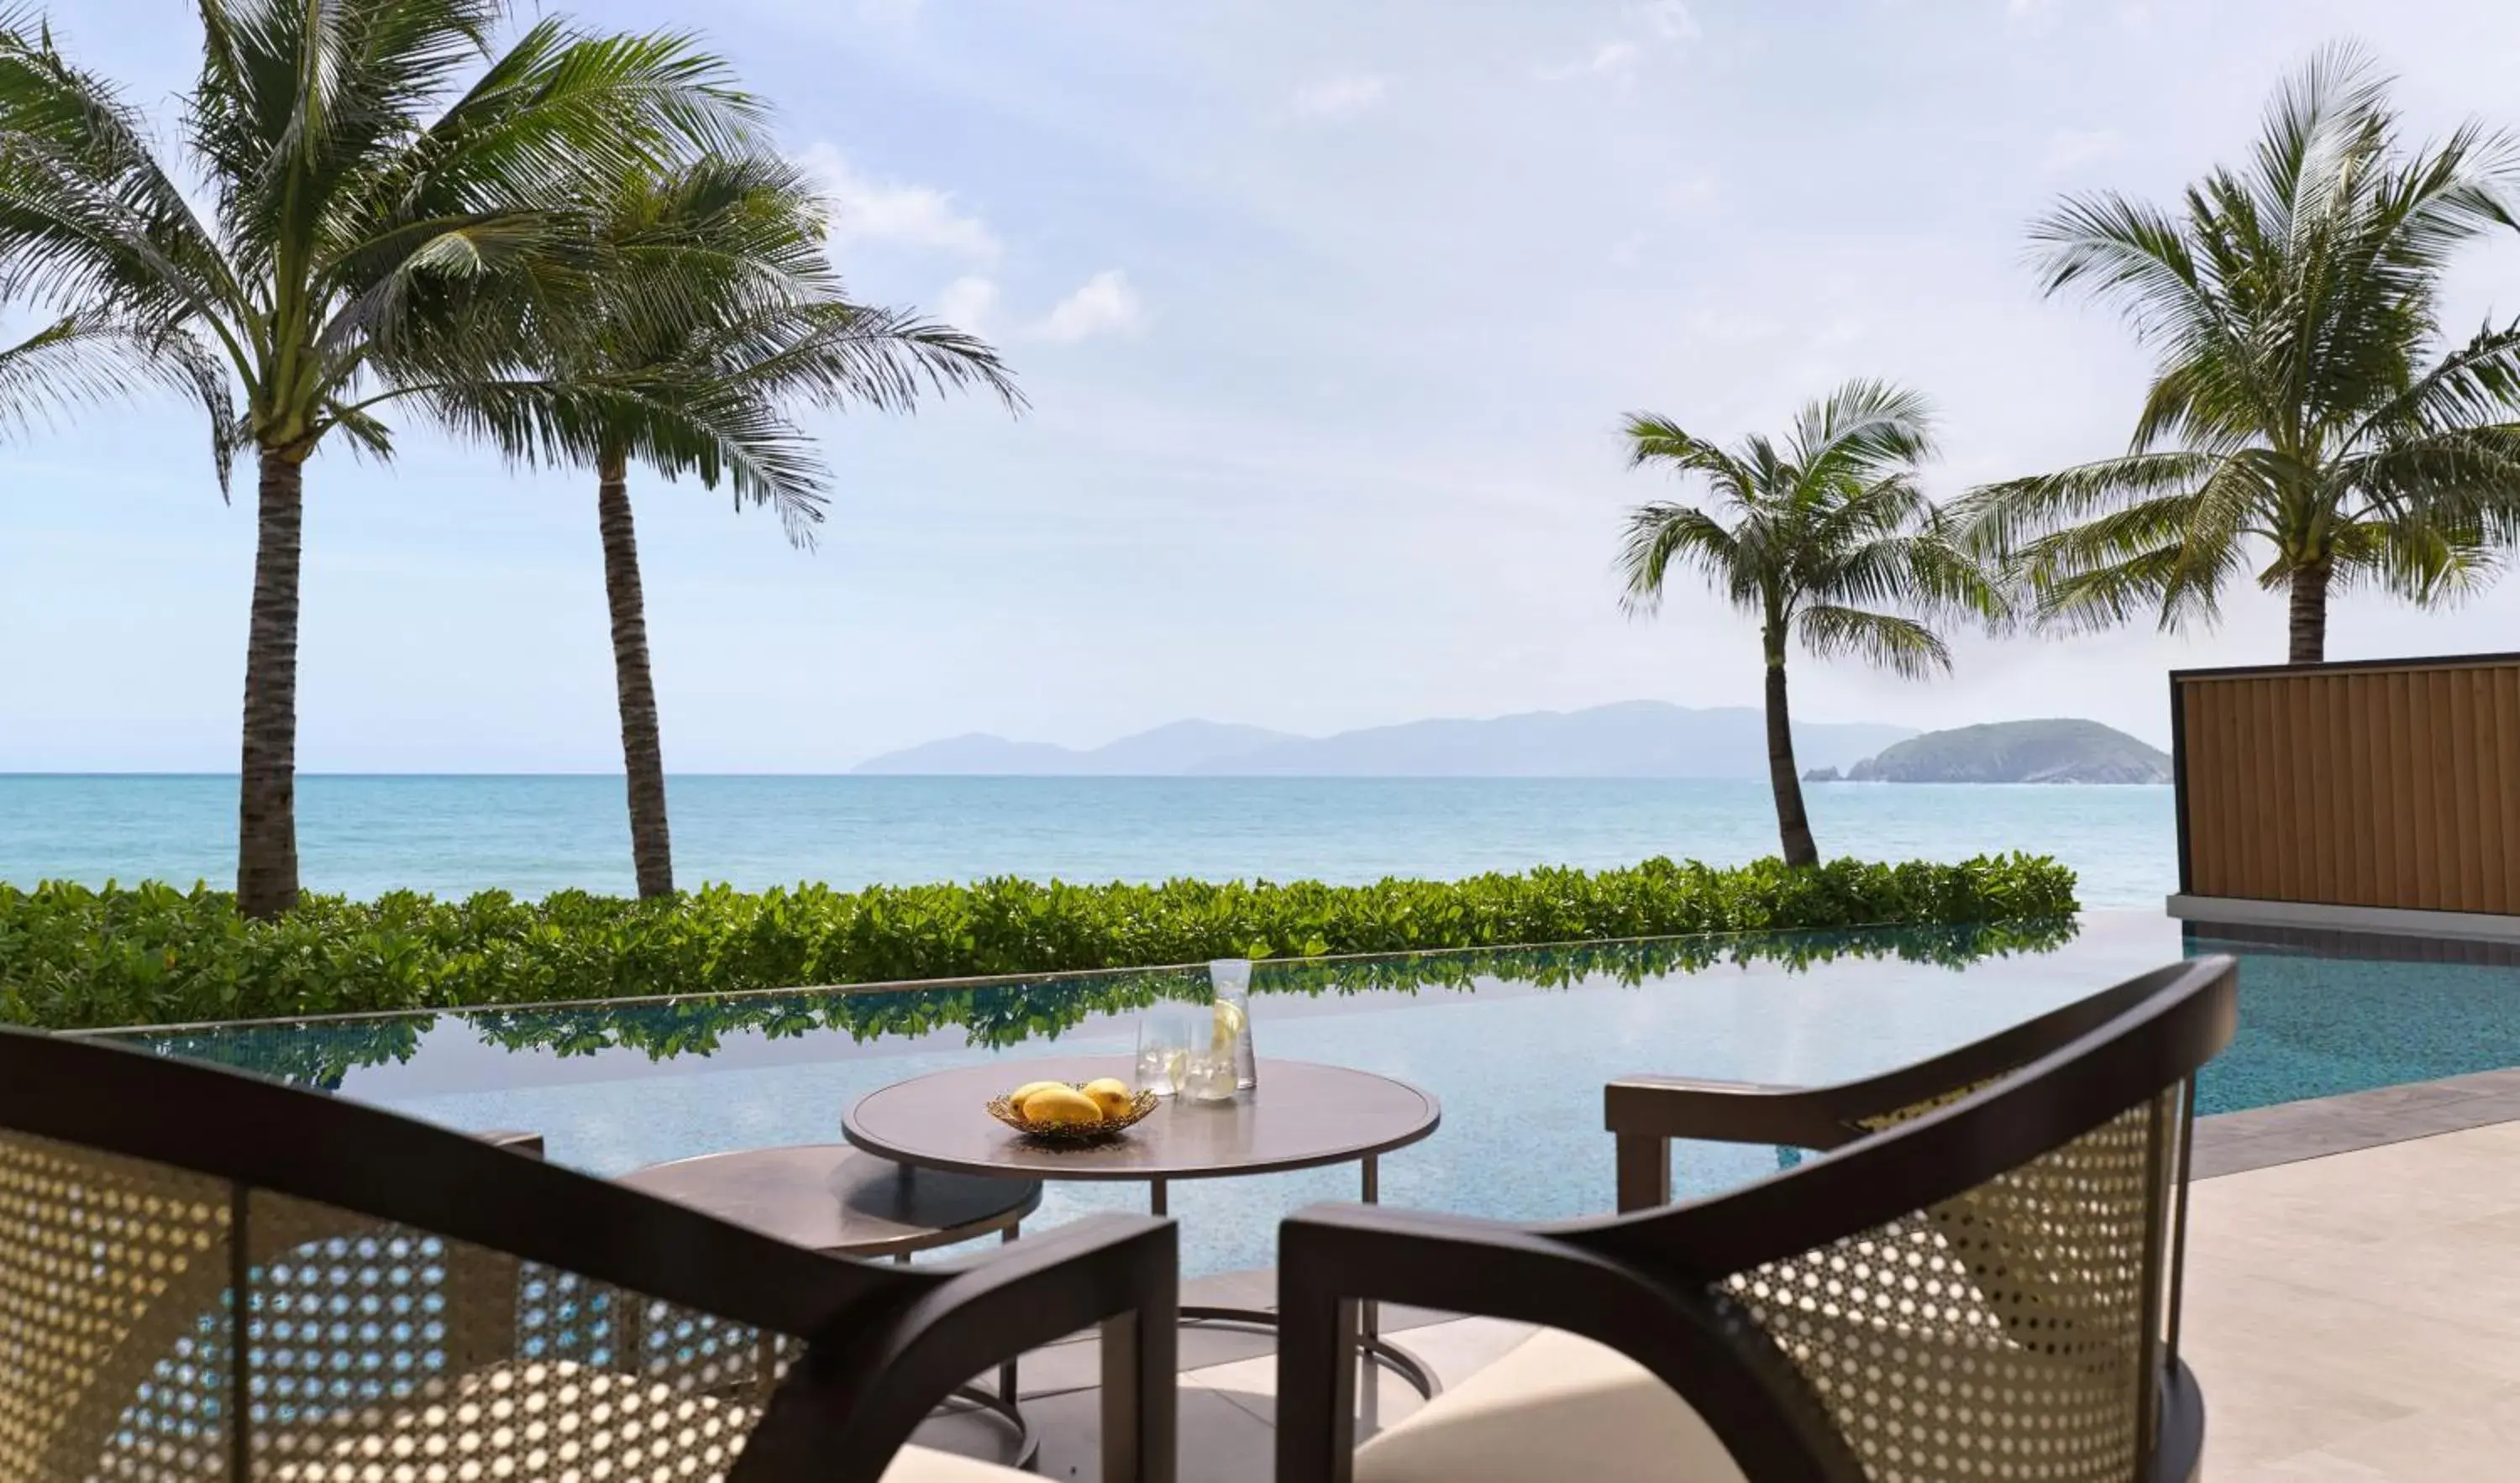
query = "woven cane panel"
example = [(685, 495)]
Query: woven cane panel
[(381, 1353), (1999, 1336), (113, 1318)]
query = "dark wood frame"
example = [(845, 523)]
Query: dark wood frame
[(885, 1344), (1643, 1282), (2179, 780)]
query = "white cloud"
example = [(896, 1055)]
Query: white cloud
[(1666, 23), (1342, 97), (1104, 306), (1731, 326), (1845, 330), (868, 210), (1669, 19), (1608, 57), (966, 302), (2072, 149)]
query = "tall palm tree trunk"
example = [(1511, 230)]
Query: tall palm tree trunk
[(2309, 613), (267, 781), (1794, 826), (643, 751)]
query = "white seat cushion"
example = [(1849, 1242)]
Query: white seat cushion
[(553, 1422), (1555, 1405), (925, 1464)]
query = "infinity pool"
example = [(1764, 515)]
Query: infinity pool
[(1517, 1044)]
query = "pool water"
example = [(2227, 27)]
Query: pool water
[(1515, 1043)]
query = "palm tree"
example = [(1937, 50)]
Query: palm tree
[(714, 306), (369, 167), (1814, 539), (2303, 418)]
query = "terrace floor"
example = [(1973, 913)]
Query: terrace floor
[(2353, 1307)]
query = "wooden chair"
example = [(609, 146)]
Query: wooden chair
[(209, 1275), (1979, 1279)]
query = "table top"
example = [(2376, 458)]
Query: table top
[(831, 1198), (1301, 1115)]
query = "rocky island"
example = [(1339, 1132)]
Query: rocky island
[(2011, 751)]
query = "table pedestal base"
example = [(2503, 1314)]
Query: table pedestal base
[(1005, 1410)]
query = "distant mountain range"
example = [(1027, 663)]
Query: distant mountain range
[(1639, 738), (2012, 752)]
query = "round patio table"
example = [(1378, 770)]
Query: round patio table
[(832, 1199), (1302, 1115)]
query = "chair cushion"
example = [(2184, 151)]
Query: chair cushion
[(1555, 1405), (558, 1421), (925, 1464)]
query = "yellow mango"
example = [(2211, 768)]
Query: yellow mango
[(1113, 1096), (1062, 1106)]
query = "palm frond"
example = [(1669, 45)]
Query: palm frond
[(1923, 570), (843, 354), (1995, 520), (1901, 644), (78, 362), (2477, 383), (89, 219), (1662, 534), (2123, 251), (1653, 440), (2422, 561), (1861, 432), (709, 432)]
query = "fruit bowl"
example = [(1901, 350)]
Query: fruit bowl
[(1059, 1131)]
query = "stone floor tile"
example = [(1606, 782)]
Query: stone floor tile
[(2301, 1467), (2281, 1332), (1220, 1441), (2450, 1444)]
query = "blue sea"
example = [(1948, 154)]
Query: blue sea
[(361, 835)]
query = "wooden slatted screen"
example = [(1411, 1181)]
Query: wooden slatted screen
[(2381, 785)]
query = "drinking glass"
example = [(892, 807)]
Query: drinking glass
[(1166, 1036), (1208, 1075)]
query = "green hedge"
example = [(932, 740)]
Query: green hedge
[(71, 957), (1005, 1014)]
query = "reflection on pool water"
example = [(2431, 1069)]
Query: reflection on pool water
[(1515, 1043)]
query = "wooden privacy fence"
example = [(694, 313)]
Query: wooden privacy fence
[(2391, 783)]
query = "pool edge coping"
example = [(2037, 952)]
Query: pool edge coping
[(2284, 1133)]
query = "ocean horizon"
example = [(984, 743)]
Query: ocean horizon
[(362, 834)]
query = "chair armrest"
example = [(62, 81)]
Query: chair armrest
[(851, 1402), (1332, 1257), (1728, 1111), (1646, 1112)]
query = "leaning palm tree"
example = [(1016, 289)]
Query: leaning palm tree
[(2304, 419), (1814, 538), (713, 307), (367, 168)]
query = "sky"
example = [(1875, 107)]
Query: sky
[(1327, 315)]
